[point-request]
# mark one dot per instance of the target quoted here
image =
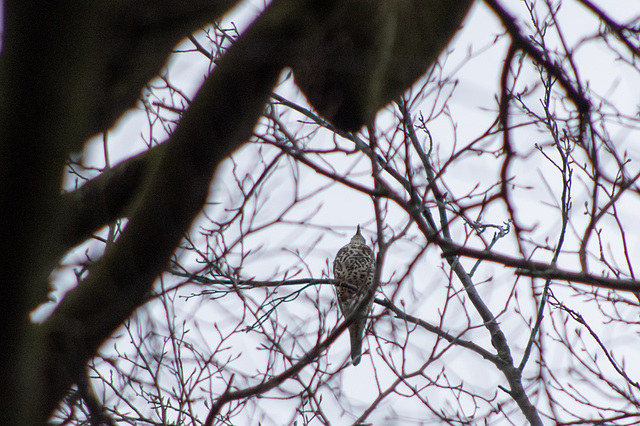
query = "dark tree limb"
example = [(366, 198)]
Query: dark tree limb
[(103, 199)]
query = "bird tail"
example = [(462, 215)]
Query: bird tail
[(356, 345)]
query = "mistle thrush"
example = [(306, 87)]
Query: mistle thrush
[(355, 265)]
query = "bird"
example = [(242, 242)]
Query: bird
[(355, 265)]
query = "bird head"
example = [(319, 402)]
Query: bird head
[(358, 238)]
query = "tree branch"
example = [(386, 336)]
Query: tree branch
[(104, 199)]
